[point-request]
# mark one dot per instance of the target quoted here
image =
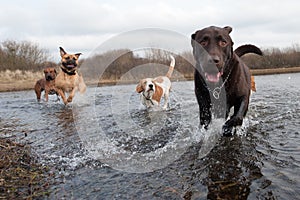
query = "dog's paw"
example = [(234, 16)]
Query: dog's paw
[(69, 99), (227, 130)]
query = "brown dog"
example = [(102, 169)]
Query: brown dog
[(69, 80), (215, 60), (47, 84)]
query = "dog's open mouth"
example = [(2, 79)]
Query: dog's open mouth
[(213, 78), (149, 91), (70, 66)]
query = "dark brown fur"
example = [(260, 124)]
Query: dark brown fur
[(215, 58), (46, 84)]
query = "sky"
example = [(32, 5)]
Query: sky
[(81, 26)]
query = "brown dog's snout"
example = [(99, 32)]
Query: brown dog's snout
[(49, 77), (71, 61), (214, 59)]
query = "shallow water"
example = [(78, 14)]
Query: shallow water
[(105, 145)]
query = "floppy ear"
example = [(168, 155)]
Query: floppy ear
[(228, 29), (62, 51), (139, 88)]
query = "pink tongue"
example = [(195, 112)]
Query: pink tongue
[(214, 78)]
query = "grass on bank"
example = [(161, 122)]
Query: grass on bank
[(21, 177), (25, 80)]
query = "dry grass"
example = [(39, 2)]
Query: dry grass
[(275, 71), (18, 80), (25, 80), (19, 75), (20, 176)]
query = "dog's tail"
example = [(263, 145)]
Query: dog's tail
[(171, 68), (248, 48)]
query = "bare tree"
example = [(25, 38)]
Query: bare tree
[(21, 55)]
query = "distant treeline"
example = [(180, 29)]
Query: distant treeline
[(126, 64), (115, 64), (274, 58), (22, 55)]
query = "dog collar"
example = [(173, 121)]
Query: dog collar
[(216, 92), (68, 72), (148, 99)]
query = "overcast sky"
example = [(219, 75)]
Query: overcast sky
[(81, 26)]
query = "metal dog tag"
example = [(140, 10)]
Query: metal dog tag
[(216, 92)]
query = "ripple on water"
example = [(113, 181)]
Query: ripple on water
[(260, 161)]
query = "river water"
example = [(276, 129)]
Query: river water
[(105, 145)]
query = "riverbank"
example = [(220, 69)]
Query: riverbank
[(19, 84), (21, 177), (257, 72)]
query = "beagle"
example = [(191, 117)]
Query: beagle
[(153, 89)]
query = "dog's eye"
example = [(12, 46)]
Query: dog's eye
[(204, 43), (74, 58), (222, 43), (67, 57)]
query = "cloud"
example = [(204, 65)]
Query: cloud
[(83, 25)]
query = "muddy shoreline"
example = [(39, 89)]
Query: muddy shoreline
[(19, 85), (21, 176)]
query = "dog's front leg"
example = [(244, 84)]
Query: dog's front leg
[(62, 94), (46, 95), (236, 119), (205, 114), (72, 94)]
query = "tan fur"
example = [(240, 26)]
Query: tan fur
[(69, 80), (253, 87), (158, 93), (47, 83), (170, 72), (139, 88)]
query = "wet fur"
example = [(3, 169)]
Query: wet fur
[(46, 84), (154, 89), (213, 52)]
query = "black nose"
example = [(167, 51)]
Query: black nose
[(151, 86), (48, 77), (71, 62)]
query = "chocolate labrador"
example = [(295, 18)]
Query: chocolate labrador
[(219, 67)]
